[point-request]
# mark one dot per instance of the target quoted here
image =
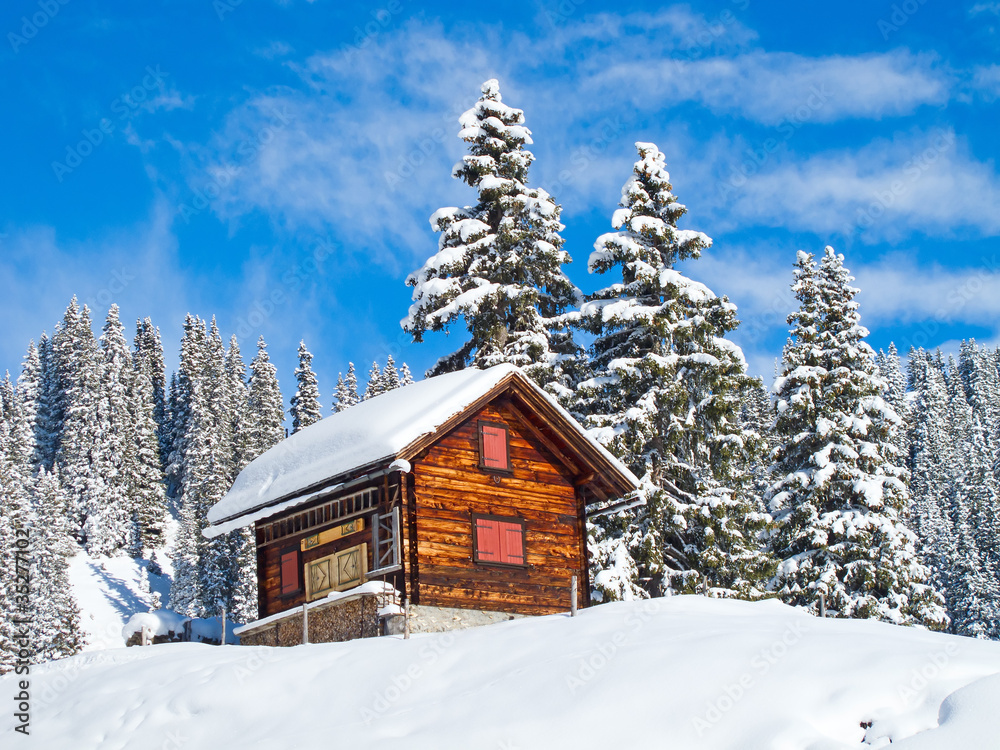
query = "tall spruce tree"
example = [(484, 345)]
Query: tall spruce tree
[(266, 410), (405, 376), (390, 375), (148, 357), (666, 396), (891, 372), (48, 419), (346, 394), (107, 526), (499, 262), (80, 452), (56, 614), (839, 494), (31, 395), (306, 409), (375, 386), (931, 457)]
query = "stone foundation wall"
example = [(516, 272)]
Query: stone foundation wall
[(424, 619), (335, 622)]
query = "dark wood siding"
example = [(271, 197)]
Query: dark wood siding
[(270, 598), (449, 487)]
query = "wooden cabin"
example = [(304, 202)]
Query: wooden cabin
[(469, 490)]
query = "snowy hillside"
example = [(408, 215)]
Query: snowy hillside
[(684, 672), (109, 590)]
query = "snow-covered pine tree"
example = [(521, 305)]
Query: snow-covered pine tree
[(148, 507), (30, 394), (374, 387), (839, 496), (405, 376), (891, 372), (973, 504), (148, 357), (237, 396), (193, 469), (266, 409), (665, 396), (757, 418), (306, 409), (17, 528), (264, 422), (931, 467), (80, 451), (499, 262), (8, 649), (48, 420), (346, 394), (216, 571), (107, 526), (977, 371), (390, 375), (56, 614), (6, 397)]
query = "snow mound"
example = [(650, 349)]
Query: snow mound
[(684, 672), (166, 621)]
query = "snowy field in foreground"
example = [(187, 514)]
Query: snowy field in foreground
[(685, 672)]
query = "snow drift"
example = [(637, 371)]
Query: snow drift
[(684, 672)]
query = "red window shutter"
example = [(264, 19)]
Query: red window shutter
[(488, 540), (289, 572), (511, 543), (494, 447)]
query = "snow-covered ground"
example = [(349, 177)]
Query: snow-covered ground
[(109, 590), (685, 672)]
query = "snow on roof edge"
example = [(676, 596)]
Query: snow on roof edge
[(261, 474)]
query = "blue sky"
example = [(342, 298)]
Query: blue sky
[(275, 163)]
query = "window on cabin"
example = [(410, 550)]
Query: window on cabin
[(291, 578), (499, 540), (493, 453)]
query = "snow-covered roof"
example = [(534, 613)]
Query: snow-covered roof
[(371, 433)]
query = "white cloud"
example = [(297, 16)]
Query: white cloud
[(135, 267), (771, 87), (924, 181), (985, 80), (371, 137)]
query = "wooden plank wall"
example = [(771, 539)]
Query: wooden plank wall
[(269, 598), (449, 487)]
